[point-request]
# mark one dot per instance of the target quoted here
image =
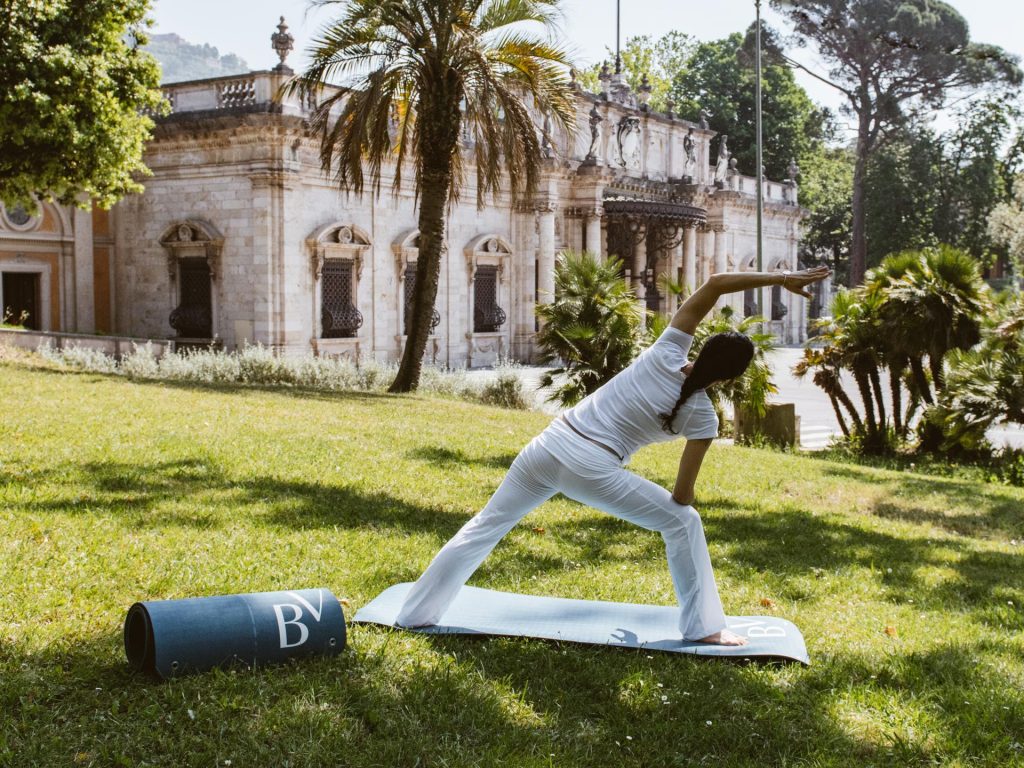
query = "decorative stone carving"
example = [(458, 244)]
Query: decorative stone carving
[(628, 138), (545, 142), (282, 42), (689, 157), (722, 164), (595, 134), (792, 172), (644, 92), (704, 115), (337, 241), (193, 238)]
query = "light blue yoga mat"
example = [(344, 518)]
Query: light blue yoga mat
[(651, 627)]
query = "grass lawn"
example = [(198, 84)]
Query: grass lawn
[(113, 491)]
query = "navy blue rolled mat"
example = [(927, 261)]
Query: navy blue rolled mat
[(478, 611), (169, 638)]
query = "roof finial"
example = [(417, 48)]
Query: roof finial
[(282, 42)]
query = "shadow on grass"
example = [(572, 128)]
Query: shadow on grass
[(446, 457), (153, 495), (394, 699), (996, 511)]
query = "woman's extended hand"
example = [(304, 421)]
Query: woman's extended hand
[(796, 282)]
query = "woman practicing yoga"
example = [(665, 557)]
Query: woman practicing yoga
[(582, 454)]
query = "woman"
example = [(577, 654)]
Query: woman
[(583, 452)]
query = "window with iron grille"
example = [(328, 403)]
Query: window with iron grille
[(193, 317), (779, 308), (338, 315), (487, 315), (410, 290)]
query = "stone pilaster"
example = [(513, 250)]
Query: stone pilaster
[(546, 252), (84, 297)]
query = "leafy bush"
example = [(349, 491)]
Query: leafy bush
[(506, 391), (984, 386), (593, 327)]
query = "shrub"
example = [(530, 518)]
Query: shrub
[(506, 390), (258, 365)]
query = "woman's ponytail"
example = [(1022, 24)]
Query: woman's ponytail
[(723, 356)]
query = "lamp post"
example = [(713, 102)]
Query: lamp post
[(760, 154)]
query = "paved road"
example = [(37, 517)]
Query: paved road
[(818, 422)]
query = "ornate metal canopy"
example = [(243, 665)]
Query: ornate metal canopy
[(661, 211)]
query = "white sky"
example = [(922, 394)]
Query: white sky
[(243, 27)]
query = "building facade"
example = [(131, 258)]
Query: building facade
[(240, 238)]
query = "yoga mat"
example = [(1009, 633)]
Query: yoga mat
[(169, 638), (478, 611)]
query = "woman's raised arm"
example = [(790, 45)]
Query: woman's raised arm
[(702, 301)]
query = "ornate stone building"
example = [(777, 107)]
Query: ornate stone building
[(240, 238)]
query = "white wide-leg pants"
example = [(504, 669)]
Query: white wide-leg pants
[(555, 461)]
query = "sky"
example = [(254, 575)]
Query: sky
[(243, 27)]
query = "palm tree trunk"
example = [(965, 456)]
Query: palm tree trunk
[(839, 415), (876, 386), (440, 127), (923, 390), (864, 386), (938, 375), (896, 390), (848, 403)]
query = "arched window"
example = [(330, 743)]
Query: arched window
[(487, 264), (193, 249), (407, 252), (337, 252)]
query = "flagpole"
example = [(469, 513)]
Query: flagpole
[(760, 158)]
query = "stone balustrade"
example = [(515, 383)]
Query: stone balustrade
[(254, 90)]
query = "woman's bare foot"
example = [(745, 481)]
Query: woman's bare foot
[(725, 637)]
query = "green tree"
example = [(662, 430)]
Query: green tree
[(885, 57), (924, 187), (902, 192), (422, 74), (985, 384), (659, 60), (1006, 226), (825, 178), (719, 78), (593, 327), (74, 86)]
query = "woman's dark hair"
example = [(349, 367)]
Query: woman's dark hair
[(723, 356)]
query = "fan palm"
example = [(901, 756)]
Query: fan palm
[(934, 301), (420, 75), (593, 326)]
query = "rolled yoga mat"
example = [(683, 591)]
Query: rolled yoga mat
[(169, 638), (478, 611)]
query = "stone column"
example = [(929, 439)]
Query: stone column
[(675, 267), (638, 267), (690, 259), (546, 253), (593, 225), (720, 265)]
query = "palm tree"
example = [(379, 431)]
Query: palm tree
[(593, 326), (934, 301), (421, 74)]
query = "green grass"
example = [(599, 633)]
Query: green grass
[(113, 491)]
